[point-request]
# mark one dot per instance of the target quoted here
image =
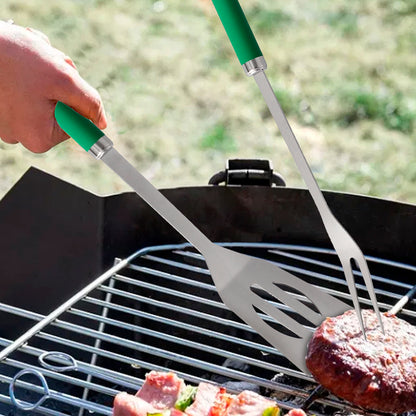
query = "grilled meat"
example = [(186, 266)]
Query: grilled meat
[(128, 405), (296, 412), (248, 403), (162, 392), (377, 374), (204, 400)]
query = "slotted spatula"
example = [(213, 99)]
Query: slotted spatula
[(237, 277)]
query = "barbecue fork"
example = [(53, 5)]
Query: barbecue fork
[(254, 64), (249, 286)]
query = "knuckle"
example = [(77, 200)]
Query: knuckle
[(65, 79), (9, 140), (95, 98), (38, 147), (94, 104), (40, 142)]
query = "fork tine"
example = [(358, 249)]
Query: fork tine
[(362, 264), (353, 291)]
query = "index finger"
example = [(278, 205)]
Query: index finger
[(77, 93)]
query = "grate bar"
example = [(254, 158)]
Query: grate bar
[(193, 328), (61, 309), (65, 378), (59, 396), (136, 382), (337, 268), (40, 410), (174, 307), (97, 342), (187, 296), (382, 305), (110, 375), (200, 300), (325, 277), (322, 250), (180, 341), (134, 362), (173, 277), (227, 372), (137, 346), (173, 263), (23, 313), (214, 318), (303, 271), (308, 260)]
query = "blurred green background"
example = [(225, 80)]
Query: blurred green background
[(179, 104)]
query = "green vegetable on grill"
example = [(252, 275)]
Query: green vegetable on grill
[(186, 398), (271, 411), (162, 413)]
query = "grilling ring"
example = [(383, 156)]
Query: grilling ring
[(25, 405), (67, 363)]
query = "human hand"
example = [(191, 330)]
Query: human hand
[(33, 77)]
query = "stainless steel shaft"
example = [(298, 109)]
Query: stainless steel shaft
[(344, 245)]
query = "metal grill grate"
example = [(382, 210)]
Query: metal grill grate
[(158, 310)]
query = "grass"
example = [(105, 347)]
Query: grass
[(218, 138), (344, 21), (387, 107), (180, 105), (265, 21)]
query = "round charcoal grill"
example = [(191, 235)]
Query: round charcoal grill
[(159, 309)]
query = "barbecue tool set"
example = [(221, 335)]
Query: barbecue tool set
[(246, 284), (239, 278), (234, 274)]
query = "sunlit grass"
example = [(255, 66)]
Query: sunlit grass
[(218, 138), (386, 106)]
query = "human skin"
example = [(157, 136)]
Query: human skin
[(33, 77)]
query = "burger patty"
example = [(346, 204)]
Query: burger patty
[(377, 374)]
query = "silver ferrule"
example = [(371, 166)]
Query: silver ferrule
[(255, 65), (101, 147)]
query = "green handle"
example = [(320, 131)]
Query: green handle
[(82, 130), (238, 30)]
